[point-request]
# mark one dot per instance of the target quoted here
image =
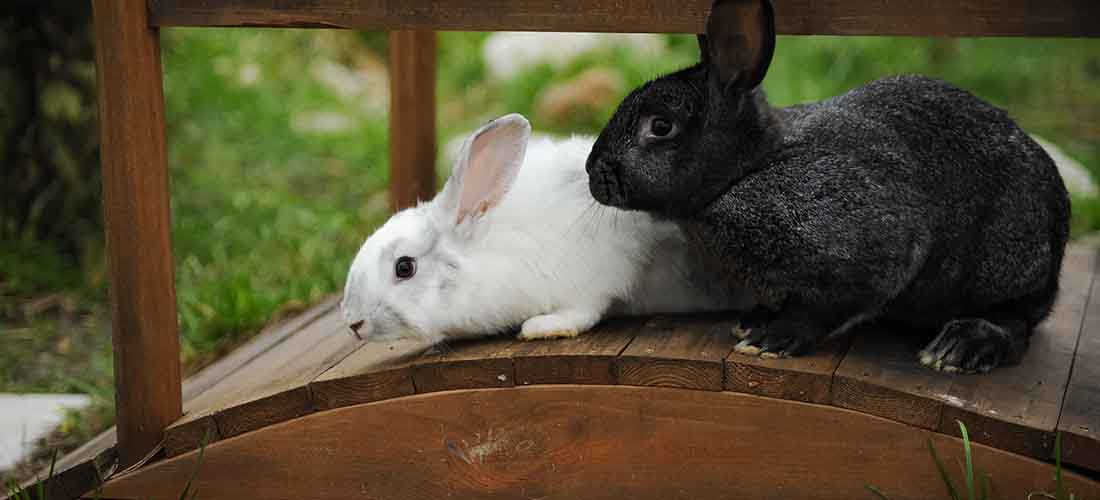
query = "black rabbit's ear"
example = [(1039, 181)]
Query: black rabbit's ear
[(739, 42), (704, 54)]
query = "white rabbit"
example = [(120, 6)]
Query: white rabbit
[(502, 247)]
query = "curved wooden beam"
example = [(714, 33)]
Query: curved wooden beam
[(583, 442), (1015, 408)]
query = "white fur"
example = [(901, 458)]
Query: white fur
[(546, 257)]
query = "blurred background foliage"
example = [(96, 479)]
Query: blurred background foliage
[(278, 157)]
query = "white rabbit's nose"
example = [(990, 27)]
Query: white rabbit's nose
[(354, 329)]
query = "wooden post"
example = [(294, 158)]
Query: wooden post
[(136, 213), (412, 117)]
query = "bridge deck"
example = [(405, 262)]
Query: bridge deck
[(310, 364)]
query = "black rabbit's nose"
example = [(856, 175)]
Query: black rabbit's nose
[(354, 328)]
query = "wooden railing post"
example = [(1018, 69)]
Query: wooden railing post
[(412, 117), (137, 217)]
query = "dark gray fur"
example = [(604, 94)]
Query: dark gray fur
[(907, 199)]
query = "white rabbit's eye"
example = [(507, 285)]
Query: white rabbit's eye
[(405, 268), (657, 128)]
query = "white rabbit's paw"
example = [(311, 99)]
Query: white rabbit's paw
[(546, 334), (558, 325)]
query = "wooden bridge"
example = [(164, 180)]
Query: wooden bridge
[(640, 408)]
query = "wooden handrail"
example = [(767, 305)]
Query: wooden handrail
[(137, 217), (412, 117), (1077, 18), (131, 114)]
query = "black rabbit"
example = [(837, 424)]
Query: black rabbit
[(907, 199)]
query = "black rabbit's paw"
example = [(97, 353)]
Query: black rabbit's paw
[(967, 346), (775, 340), (754, 320)]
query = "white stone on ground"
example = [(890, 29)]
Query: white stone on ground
[(1075, 175), (26, 417)]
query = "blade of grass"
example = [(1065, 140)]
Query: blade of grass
[(1060, 486), (943, 471), (878, 493), (987, 485), (195, 473), (969, 469)]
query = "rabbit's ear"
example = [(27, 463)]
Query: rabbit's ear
[(486, 168), (739, 43)]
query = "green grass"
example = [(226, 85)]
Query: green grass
[(267, 213), (982, 489)]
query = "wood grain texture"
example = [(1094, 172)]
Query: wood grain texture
[(685, 352), (257, 346), (138, 225), (1079, 422), (412, 117), (466, 365), (375, 371), (72, 470), (188, 433), (586, 359), (198, 383), (593, 442), (269, 389), (200, 394), (880, 376), (794, 17), (1016, 408), (80, 470), (805, 378)]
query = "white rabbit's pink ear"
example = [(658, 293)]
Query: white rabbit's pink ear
[(486, 168)]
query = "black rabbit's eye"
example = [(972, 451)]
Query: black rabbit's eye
[(405, 268), (660, 127)]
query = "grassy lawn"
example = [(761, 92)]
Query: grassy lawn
[(278, 162)]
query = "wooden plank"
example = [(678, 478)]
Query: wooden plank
[(468, 364), (80, 470), (1016, 408), (100, 452), (188, 433), (880, 376), (270, 337), (375, 371), (793, 17), (588, 358), (804, 378), (1079, 422), (412, 117), (71, 482), (593, 442), (269, 389), (138, 225), (203, 389), (685, 352)]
